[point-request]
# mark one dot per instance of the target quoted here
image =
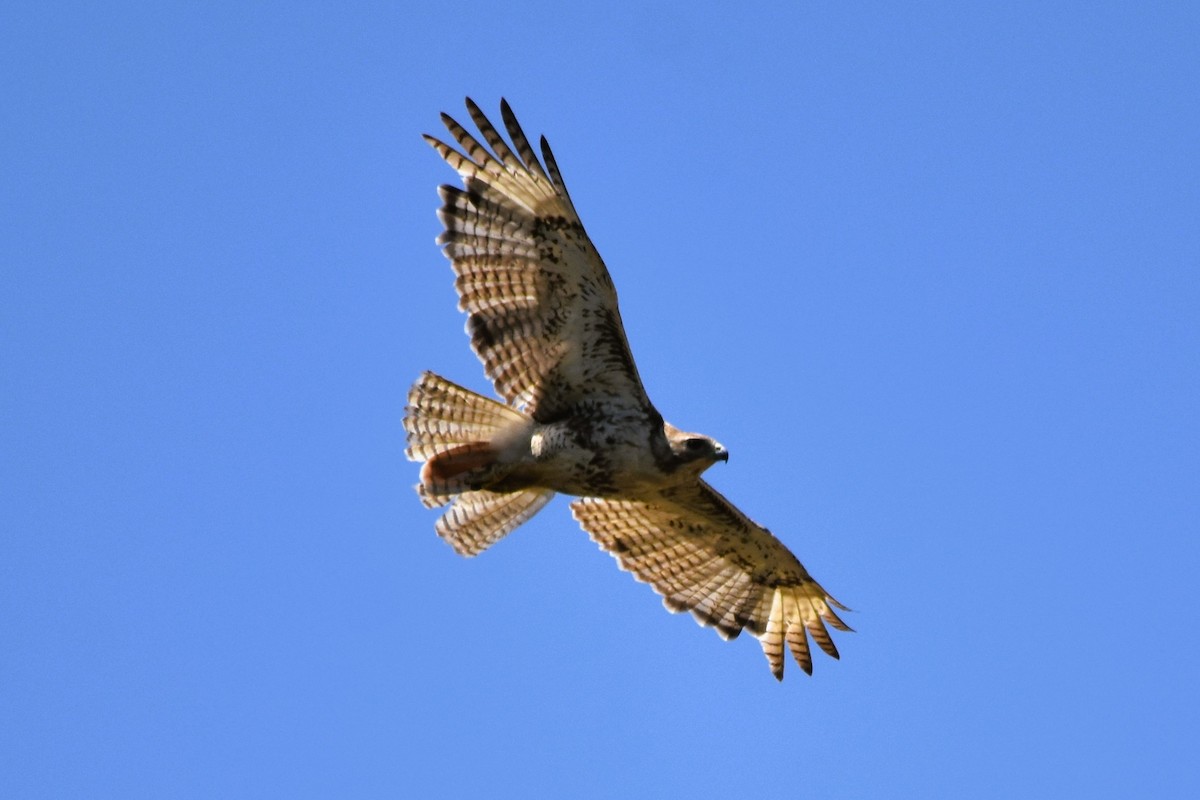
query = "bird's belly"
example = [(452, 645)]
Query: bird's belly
[(603, 463)]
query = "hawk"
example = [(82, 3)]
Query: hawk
[(575, 418)]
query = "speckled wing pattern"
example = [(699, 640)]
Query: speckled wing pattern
[(542, 310), (543, 318), (705, 556)]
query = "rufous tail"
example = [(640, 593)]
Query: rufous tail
[(451, 429)]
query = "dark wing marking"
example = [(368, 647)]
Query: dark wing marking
[(705, 556), (542, 310)]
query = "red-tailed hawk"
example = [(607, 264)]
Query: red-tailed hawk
[(543, 319)]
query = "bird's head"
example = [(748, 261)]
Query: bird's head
[(693, 451)]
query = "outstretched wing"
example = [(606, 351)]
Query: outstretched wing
[(542, 309), (703, 555)]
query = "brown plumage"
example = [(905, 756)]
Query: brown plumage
[(542, 316)]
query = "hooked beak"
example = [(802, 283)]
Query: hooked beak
[(722, 454)]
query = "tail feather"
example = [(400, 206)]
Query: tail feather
[(441, 415), (451, 429), (477, 520), (449, 472)]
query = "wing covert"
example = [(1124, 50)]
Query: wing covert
[(542, 309)]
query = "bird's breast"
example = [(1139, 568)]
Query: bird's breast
[(598, 458)]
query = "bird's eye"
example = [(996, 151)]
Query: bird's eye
[(696, 444)]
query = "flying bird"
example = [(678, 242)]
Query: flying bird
[(575, 419)]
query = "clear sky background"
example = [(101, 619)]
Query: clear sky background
[(930, 271)]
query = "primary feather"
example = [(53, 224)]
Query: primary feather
[(543, 318)]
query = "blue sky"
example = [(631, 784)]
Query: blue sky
[(929, 272)]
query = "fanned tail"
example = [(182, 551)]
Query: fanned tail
[(451, 429), (477, 520)]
